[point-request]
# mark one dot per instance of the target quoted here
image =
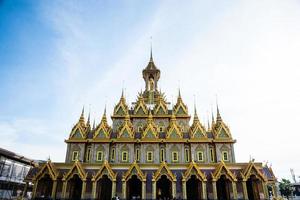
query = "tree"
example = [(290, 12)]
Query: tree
[(285, 188)]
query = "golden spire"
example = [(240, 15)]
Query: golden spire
[(88, 120), (104, 115), (94, 124), (219, 118), (195, 114), (81, 119)]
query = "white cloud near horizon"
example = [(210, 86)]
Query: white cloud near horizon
[(245, 52)]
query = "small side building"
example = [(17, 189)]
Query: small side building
[(13, 170)]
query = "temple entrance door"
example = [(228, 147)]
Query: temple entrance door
[(44, 187), (223, 188), (134, 188), (193, 188), (253, 188), (75, 187), (164, 188), (104, 187)]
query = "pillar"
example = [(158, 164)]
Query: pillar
[(94, 189), (234, 191), (143, 189), (124, 189), (113, 189), (64, 189), (174, 189), (54, 186), (83, 189), (215, 195), (265, 188), (274, 190), (204, 194), (153, 189), (245, 191), (184, 196), (34, 189), (25, 190)]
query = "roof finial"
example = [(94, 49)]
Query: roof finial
[(81, 119), (151, 57), (89, 117), (94, 124)]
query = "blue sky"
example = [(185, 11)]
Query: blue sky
[(56, 56)]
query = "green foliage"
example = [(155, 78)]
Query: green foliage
[(285, 188)]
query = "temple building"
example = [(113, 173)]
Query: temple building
[(152, 150)]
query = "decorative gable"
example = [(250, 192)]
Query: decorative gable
[(222, 131), (161, 107), (78, 132), (222, 169), (173, 131), (76, 169), (140, 107), (163, 170), (134, 169)]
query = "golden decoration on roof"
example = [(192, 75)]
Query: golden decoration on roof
[(173, 130), (140, 107), (150, 131), (180, 108), (220, 129), (197, 130), (103, 129), (161, 106), (126, 130), (134, 169), (121, 108)]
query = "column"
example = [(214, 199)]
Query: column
[(234, 191), (83, 189), (124, 189), (54, 186), (94, 189), (34, 189), (274, 190), (25, 190), (153, 189), (174, 189), (143, 189), (64, 189), (204, 194), (215, 195), (113, 189), (184, 189), (265, 188), (245, 192)]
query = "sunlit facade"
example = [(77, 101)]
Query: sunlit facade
[(152, 150)]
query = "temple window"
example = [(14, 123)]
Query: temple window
[(200, 157), (125, 156), (75, 155), (88, 154), (113, 154), (212, 157), (187, 155), (225, 156), (149, 156), (175, 156), (137, 154), (99, 156), (162, 155)]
